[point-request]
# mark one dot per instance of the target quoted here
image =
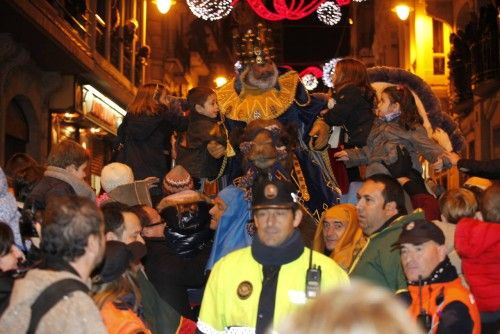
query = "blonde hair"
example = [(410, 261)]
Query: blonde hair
[(359, 308), (147, 99), (456, 204)]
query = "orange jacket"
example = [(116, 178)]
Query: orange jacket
[(122, 321), (452, 291)]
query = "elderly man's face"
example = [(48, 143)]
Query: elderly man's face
[(263, 71), (333, 230), (262, 76), (421, 260), (216, 212)]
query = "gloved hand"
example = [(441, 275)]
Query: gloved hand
[(215, 149), (402, 166), (319, 132)]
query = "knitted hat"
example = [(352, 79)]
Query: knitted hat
[(115, 174), (178, 179)]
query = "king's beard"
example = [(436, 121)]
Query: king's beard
[(266, 82)]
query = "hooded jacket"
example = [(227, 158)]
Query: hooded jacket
[(478, 244), (146, 142), (377, 262)]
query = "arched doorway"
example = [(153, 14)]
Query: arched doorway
[(17, 129)]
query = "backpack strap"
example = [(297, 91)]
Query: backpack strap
[(50, 297)]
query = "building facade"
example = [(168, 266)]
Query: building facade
[(453, 46)]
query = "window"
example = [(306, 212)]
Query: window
[(438, 47)]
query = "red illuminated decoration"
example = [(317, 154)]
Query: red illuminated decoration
[(343, 2), (316, 71), (295, 11)]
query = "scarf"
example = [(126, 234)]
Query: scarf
[(81, 188), (288, 251), (350, 243)]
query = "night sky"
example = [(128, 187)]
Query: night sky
[(309, 42)]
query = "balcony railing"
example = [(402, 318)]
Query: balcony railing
[(105, 30)]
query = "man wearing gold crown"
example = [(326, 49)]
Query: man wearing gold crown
[(262, 91)]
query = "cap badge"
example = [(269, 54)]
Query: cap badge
[(270, 191), (244, 290)]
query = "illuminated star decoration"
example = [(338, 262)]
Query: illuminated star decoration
[(328, 70), (329, 13), (210, 10)]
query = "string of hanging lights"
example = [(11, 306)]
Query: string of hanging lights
[(328, 11), (210, 10)]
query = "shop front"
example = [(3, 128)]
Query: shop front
[(93, 122)]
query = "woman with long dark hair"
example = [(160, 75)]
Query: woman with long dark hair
[(145, 133), (353, 103)]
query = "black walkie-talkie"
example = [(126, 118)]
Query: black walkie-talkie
[(313, 279)]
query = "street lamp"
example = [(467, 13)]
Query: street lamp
[(402, 11), (164, 5), (220, 81)]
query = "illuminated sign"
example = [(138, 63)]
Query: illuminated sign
[(101, 110)]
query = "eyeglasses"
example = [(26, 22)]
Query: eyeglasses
[(156, 224)]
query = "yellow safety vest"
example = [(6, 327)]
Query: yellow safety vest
[(232, 293)]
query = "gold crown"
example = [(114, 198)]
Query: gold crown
[(254, 48)]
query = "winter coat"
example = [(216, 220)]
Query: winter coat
[(353, 109), (172, 274), (382, 143), (146, 142), (57, 182), (194, 156), (75, 313), (449, 303), (160, 316), (122, 321), (487, 169), (378, 262), (478, 244)]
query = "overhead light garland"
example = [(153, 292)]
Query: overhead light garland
[(210, 10), (295, 11), (328, 71), (329, 13)]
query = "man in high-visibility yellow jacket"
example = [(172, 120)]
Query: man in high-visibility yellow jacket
[(255, 287)]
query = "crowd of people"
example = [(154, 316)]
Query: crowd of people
[(249, 233)]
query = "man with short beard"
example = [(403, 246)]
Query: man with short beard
[(73, 245), (381, 214)]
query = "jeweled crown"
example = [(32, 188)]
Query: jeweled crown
[(254, 47)]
